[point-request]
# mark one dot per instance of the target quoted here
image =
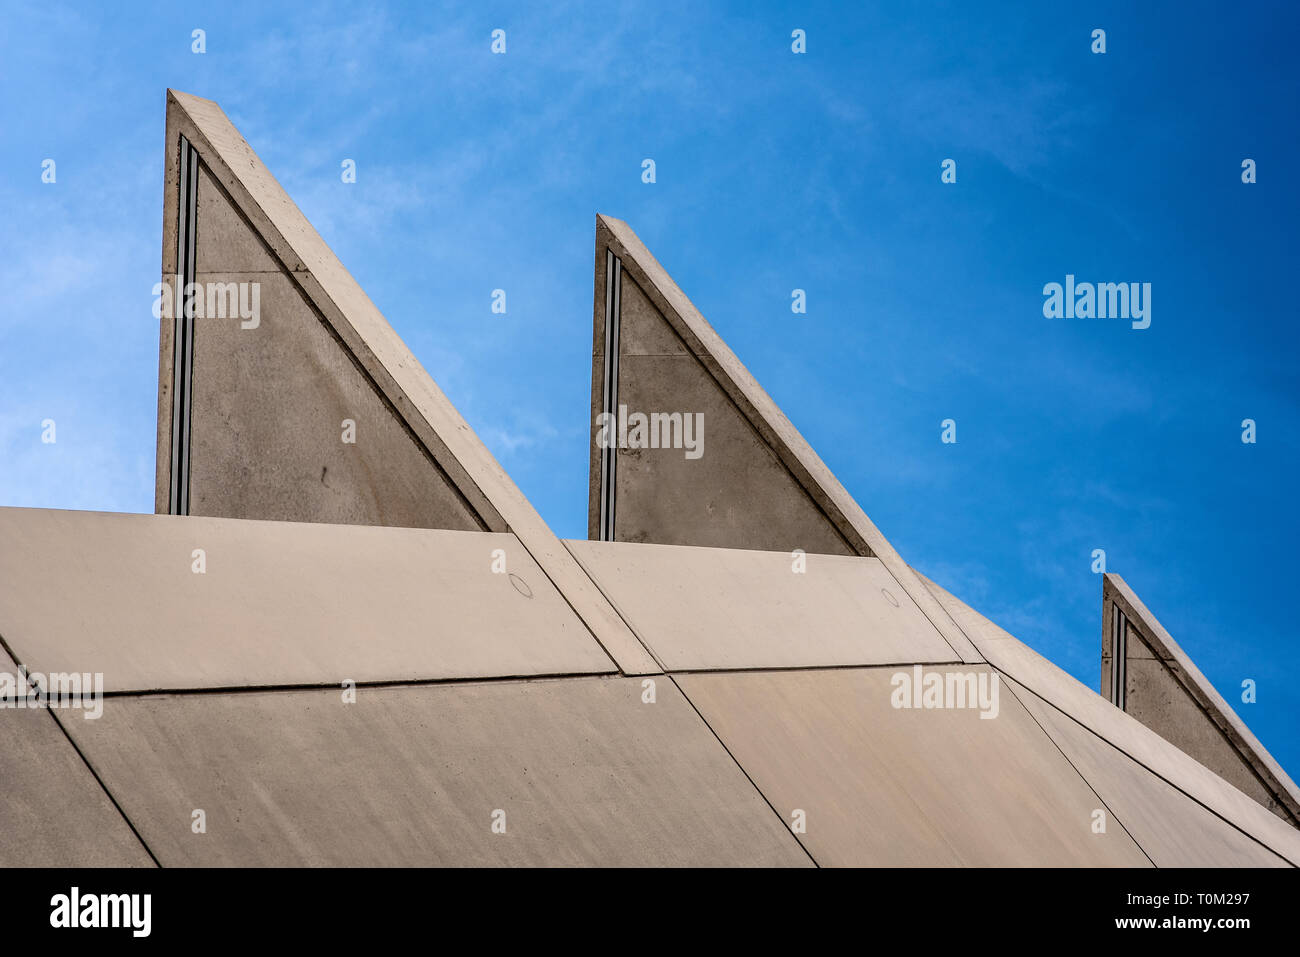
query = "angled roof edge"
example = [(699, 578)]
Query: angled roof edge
[(396, 372), (1071, 697), (772, 425), (1203, 692)]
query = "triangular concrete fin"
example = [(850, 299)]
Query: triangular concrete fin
[(283, 415), (753, 482), (253, 424), (737, 493), (1155, 681)]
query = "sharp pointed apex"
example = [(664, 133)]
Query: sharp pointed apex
[(184, 99)]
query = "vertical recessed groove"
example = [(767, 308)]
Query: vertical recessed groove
[(1118, 656), (1114, 647), (1123, 662), (609, 400), (183, 330)]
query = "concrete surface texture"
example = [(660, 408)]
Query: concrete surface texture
[(341, 455), (737, 490), (1167, 692), (53, 812), (519, 700), (585, 772), (725, 608), (164, 602), (906, 787)]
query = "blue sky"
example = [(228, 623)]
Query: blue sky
[(774, 171)]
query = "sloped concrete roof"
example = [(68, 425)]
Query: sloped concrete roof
[(584, 772), (53, 812), (705, 764), (727, 608), (906, 787)]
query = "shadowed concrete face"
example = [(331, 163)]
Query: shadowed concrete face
[(730, 489), (286, 424), (53, 812), (1028, 668), (1169, 826), (315, 411), (905, 787), (726, 608), (1165, 690), (584, 771), (276, 603), (733, 490)]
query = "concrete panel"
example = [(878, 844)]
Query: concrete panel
[(725, 608), (53, 813), (1170, 827), (1060, 689), (278, 603), (906, 787), (643, 330), (395, 374), (585, 772), (763, 468), (736, 494), (268, 436)]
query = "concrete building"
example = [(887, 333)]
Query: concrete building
[(347, 637)]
